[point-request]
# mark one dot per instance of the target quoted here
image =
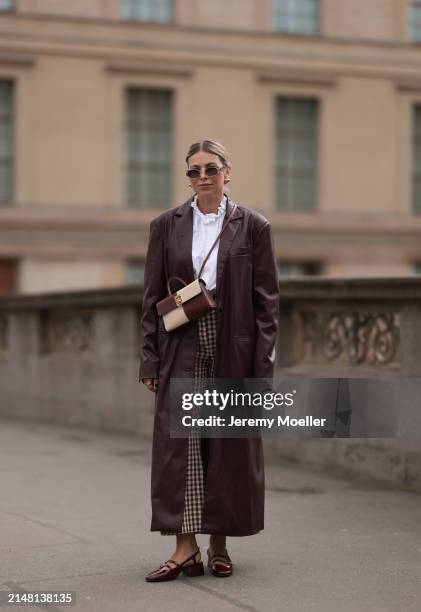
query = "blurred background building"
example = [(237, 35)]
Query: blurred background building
[(318, 102)]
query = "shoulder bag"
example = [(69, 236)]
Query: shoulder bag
[(193, 300)]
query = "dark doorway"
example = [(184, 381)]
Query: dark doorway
[(8, 276)]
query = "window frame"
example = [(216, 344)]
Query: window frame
[(139, 204), (316, 264), (314, 208), (12, 157), (130, 265), (124, 16), (275, 28), (415, 208), (9, 9), (412, 7)]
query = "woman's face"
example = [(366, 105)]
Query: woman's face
[(208, 185)]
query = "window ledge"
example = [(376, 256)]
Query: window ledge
[(17, 59), (324, 80), (150, 68)]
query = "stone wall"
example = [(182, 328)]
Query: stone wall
[(73, 358), (364, 327)]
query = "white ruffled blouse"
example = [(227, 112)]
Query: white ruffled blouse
[(206, 227)]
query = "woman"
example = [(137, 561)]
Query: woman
[(214, 485)]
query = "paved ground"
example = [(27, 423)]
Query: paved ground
[(75, 515)]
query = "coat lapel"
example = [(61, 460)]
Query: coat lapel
[(184, 234), (184, 230)]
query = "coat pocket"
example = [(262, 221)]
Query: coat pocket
[(243, 250)]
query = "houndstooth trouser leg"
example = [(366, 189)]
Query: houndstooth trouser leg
[(195, 480)]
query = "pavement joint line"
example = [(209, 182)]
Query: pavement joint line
[(49, 578), (36, 546), (49, 526), (67, 464), (13, 586), (298, 490), (231, 600)]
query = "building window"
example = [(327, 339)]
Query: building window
[(135, 271), (148, 147), (416, 158), (296, 154), (299, 268), (295, 16), (414, 20), (6, 5), (6, 142), (160, 11)]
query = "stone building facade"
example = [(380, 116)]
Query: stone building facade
[(318, 103)]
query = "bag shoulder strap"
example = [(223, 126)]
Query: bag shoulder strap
[(216, 240)]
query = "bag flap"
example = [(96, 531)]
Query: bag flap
[(186, 293), (190, 290), (166, 305)]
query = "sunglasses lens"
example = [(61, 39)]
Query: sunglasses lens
[(211, 171), (193, 173)]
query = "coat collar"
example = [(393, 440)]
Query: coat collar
[(184, 229)]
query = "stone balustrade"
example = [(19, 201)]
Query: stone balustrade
[(73, 357)]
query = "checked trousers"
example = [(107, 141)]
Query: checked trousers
[(195, 477)]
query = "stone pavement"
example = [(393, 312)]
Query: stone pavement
[(75, 515)]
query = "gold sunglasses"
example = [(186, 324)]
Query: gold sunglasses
[(194, 173)]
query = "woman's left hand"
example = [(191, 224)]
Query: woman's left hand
[(151, 383)]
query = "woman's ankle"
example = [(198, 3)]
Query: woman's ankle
[(185, 547), (217, 544), (181, 554)]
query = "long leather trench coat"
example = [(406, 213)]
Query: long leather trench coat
[(248, 296)]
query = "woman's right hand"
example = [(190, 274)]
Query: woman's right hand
[(151, 383)]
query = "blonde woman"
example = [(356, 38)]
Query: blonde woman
[(212, 486)]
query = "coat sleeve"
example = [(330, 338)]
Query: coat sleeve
[(154, 290), (265, 301)]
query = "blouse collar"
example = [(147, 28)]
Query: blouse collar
[(210, 217)]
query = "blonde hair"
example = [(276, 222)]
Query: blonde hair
[(210, 146)]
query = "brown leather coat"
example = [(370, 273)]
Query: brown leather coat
[(248, 295)]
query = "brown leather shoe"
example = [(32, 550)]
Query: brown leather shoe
[(171, 569), (220, 565)]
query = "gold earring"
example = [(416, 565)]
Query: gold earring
[(227, 180)]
